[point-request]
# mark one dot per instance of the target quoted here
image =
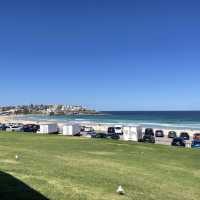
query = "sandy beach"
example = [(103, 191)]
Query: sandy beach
[(13, 119)]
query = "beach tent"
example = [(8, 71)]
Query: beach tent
[(48, 128), (133, 133), (71, 129)]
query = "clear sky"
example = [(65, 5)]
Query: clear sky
[(105, 54)]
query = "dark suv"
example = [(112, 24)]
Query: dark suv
[(149, 136), (31, 128), (185, 135), (178, 141), (99, 135), (111, 130)]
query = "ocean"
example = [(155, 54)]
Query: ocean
[(154, 119)]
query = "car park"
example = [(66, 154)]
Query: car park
[(184, 135), (159, 133), (147, 136), (178, 141), (172, 134), (195, 144)]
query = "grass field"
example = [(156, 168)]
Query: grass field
[(59, 168)]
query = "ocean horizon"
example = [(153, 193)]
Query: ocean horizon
[(154, 119)]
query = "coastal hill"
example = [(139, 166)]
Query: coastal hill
[(47, 110)]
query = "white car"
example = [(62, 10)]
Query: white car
[(118, 129), (14, 129), (88, 129)]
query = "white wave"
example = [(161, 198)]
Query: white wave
[(79, 119), (110, 122)]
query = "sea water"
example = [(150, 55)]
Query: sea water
[(162, 119)]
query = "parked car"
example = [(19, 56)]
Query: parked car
[(115, 130), (3, 127), (111, 130), (195, 144), (14, 129), (119, 129), (172, 134), (148, 136), (185, 135), (178, 141), (87, 129), (31, 128), (82, 128), (196, 136), (149, 131), (99, 135), (159, 133), (148, 139), (88, 132)]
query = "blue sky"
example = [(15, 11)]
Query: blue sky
[(105, 54)]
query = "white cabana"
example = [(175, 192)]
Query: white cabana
[(133, 133), (71, 129), (48, 128)]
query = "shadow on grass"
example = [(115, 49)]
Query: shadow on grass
[(13, 189)]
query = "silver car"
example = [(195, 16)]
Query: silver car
[(14, 129)]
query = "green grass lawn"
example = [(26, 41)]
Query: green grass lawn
[(73, 168)]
